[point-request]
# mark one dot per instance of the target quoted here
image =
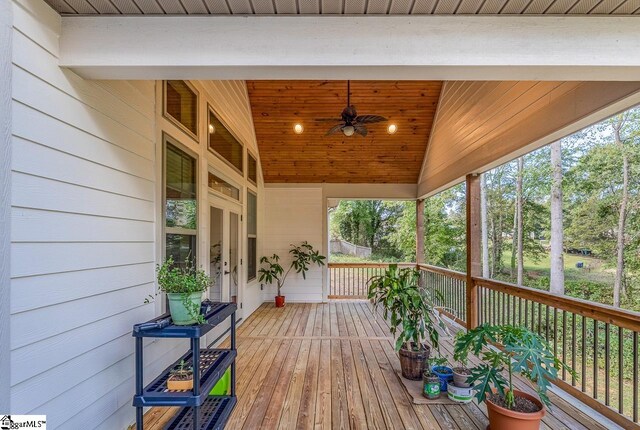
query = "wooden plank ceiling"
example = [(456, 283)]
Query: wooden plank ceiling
[(481, 124), (315, 7), (312, 157)]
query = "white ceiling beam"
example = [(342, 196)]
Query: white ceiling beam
[(327, 47)]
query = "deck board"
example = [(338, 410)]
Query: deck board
[(333, 366)]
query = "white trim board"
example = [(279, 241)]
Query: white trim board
[(389, 47), (6, 41)]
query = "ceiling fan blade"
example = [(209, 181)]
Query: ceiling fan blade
[(369, 119), (334, 129), (361, 130)]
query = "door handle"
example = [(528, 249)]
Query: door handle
[(226, 272)]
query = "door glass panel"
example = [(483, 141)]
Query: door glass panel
[(215, 254), (234, 259)]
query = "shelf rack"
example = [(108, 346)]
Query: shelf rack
[(199, 409)]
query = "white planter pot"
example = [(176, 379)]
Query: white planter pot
[(460, 394)]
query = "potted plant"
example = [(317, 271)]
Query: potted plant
[(303, 257), (180, 377), (461, 372), (184, 286), (430, 384), (411, 316), (441, 370), (522, 352)]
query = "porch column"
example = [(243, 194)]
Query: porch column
[(474, 264), (420, 231)]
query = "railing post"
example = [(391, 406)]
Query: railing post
[(420, 231), (473, 247)]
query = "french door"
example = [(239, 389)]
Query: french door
[(225, 262)]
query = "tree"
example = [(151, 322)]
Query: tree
[(557, 235), (618, 287), (520, 224), (484, 226)]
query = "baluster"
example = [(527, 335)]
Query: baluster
[(635, 376), (607, 352), (595, 359), (584, 354), (564, 343), (621, 369), (573, 347)]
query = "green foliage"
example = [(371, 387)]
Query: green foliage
[(187, 279), (408, 307), (304, 256), (367, 223), (522, 352)]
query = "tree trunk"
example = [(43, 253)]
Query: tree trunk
[(520, 204), (514, 240), (618, 286), (557, 233), (483, 226)]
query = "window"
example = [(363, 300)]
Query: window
[(252, 235), (252, 169), (181, 105), (223, 143), (180, 204), (222, 186)]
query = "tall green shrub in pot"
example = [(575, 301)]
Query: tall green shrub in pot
[(304, 256), (411, 315), (184, 287)]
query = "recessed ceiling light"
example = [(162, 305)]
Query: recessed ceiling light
[(298, 128), (392, 128)]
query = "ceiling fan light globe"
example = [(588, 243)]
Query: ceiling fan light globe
[(348, 130)]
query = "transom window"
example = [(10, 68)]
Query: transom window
[(220, 185), (224, 143), (181, 105)]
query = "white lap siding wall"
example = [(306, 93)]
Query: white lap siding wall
[(86, 172), (83, 214)]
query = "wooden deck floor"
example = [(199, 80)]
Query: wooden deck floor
[(333, 366)]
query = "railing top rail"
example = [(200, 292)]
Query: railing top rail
[(368, 265), (448, 272), (608, 314)]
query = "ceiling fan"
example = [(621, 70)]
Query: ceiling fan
[(350, 121)]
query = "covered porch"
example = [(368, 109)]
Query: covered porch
[(110, 134), (332, 365)]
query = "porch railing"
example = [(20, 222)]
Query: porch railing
[(350, 280), (599, 342)]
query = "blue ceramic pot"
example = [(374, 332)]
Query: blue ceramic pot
[(445, 374)]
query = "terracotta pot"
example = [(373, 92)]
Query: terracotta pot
[(412, 362), (279, 301), (179, 385), (505, 419)]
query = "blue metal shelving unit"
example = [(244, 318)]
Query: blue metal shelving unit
[(199, 410)]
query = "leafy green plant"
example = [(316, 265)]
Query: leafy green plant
[(408, 307), (304, 256), (182, 370), (186, 279), (521, 352)]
